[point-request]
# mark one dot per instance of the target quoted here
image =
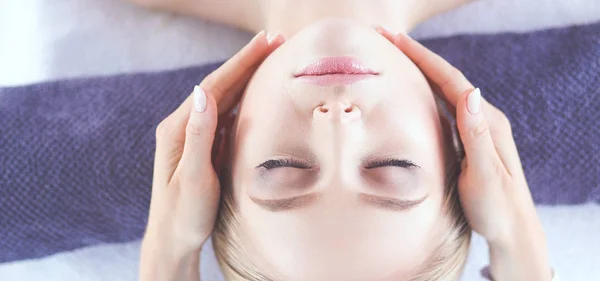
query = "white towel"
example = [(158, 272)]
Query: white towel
[(43, 40)]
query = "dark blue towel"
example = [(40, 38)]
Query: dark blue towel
[(76, 155)]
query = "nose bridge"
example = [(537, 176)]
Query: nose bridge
[(337, 133)]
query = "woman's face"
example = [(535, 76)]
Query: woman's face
[(339, 177)]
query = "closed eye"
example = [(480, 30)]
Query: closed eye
[(391, 162), (280, 163)]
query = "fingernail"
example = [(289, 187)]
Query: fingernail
[(259, 34), (387, 28), (401, 38), (474, 101), (405, 35), (271, 37), (199, 99)]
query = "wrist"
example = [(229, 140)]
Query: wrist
[(522, 258), (160, 260), (177, 243)]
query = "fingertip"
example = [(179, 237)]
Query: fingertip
[(385, 32), (401, 39), (199, 97), (475, 135), (264, 43), (471, 120), (259, 40), (474, 101), (204, 113), (463, 112), (199, 137), (260, 36), (274, 41)]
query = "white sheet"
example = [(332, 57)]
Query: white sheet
[(572, 233), (43, 40)]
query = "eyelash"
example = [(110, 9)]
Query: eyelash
[(403, 163), (280, 163)]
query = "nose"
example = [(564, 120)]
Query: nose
[(342, 111)]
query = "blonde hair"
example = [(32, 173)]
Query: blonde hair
[(445, 264)]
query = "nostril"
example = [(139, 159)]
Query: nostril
[(323, 109), (348, 110)]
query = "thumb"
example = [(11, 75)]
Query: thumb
[(199, 136), (475, 134)]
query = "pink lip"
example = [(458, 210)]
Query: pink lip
[(335, 71)]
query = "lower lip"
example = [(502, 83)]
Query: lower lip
[(335, 71)]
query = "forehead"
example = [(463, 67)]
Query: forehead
[(319, 243)]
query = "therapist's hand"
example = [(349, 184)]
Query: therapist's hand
[(492, 186), (185, 190)]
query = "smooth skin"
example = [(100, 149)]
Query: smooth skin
[(186, 191), (492, 185)]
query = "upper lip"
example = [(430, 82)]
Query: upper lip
[(335, 66)]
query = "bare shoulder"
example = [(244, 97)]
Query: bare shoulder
[(244, 14), (431, 8)]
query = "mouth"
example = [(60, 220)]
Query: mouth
[(335, 71)]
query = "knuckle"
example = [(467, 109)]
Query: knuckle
[(502, 122), (453, 75), (498, 117), (488, 174), (162, 130), (451, 79), (210, 84), (480, 131), (499, 169), (193, 129)]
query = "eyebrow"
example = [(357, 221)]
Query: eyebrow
[(302, 201), (389, 203), (278, 205)]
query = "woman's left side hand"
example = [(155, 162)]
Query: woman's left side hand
[(185, 190), (492, 187)]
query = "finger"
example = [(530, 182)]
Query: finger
[(501, 131), (199, 137), (231, 76), (226, 83), (451, 82), (448, 81), (225, 78), (385, 32), (170, 135), (474, 131), (170, 140)]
